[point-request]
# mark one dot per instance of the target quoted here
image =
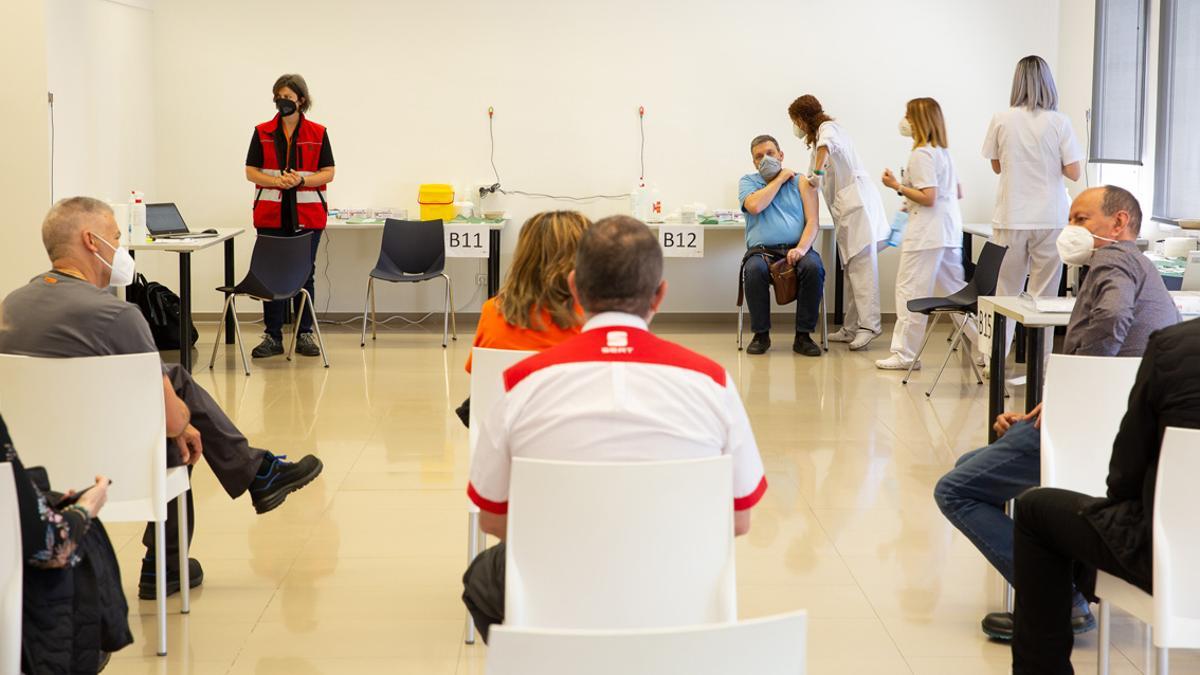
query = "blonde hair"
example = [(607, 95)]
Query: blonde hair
[(1033, 85), (537, 280), (928, 125)]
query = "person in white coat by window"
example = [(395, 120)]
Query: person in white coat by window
[(1032, 147), (860, 223), (931, 255)]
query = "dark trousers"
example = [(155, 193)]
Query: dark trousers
[(273, 311), (483, 589), (226, 450), (810, 275), (1054, 547)]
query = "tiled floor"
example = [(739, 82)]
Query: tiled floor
[(359, 572)]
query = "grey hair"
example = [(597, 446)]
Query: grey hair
[(1118, 199), (64, 221), (1033, 85), (763, 138)]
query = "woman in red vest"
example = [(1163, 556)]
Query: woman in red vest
[(290, 162)]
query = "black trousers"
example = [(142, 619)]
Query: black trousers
[(483, 589), (1055, 548), (226, 450)]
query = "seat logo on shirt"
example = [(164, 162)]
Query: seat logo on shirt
[(617, 343)]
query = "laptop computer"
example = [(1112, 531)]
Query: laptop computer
[(164, 222)]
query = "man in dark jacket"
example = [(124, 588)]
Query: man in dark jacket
[(1064, 536)]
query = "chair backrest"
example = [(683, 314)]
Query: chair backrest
[(279, 266), (774, 645), (620, 544), (1176, 548), (487, 382), (94, 415), (1085, 399), (987, 269), (11, 574), (413, 246)]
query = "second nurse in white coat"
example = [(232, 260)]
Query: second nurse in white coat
[(931, 254), (859, 221)]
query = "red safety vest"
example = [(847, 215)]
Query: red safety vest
[(311, 210)]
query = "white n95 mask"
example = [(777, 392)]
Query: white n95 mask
[(797, 131), (769, 167), (905, 127), (1075, 245), (122, 265)]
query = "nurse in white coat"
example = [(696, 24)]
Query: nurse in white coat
[(1032, 146), (860, 223), (931, 254)]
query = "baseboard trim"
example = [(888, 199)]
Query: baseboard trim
[(667, 319)]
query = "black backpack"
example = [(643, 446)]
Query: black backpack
[(160, 306)]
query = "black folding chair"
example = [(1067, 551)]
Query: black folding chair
[(412, 251), (279, 268), (964, 302)]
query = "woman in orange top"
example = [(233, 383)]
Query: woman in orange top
[(534, 309)]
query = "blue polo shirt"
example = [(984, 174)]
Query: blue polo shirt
[(781, 223)]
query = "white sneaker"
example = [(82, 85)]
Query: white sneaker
[(842, 335), (894, 362), (861, 339)]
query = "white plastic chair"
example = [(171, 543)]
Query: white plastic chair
[(102, 415), (620, 545), (487, 387), (1173, 612), (1084, 400), (774, 645), (12, 568)]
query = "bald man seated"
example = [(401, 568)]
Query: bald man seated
[(69, 312)]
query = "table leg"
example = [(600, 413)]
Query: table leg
[(1034, 362), (1021, 338), (839, 288), (996, 383), (493, 266), (185, 310), (229, 282)]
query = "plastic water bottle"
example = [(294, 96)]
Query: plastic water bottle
[(639, 202), (137, 216), (898, 225)]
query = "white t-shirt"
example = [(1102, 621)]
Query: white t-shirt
[(615, 393), (1032, 146), (940, 225)]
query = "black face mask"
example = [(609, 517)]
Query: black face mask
[(285, 106)]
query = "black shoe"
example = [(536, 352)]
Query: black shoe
[(999, 625), (146, 587), (268, 347), (277, 479), (306, 345), (804, 344), (760, 344)]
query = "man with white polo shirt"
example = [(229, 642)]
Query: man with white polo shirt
[(614, 393)]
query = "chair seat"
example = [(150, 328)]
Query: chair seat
[(255, 293), (930, 305), (393, 275), (1125, 595)]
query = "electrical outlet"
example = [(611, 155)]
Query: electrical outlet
[(480, 279)]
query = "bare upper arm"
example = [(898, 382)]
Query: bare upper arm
[(1073, 170), (996, 166), (494, 524), (741, 522)]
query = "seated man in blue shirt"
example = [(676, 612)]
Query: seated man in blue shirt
[(781, 222)]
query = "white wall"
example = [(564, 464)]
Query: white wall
[(404, 88), (25, 175)]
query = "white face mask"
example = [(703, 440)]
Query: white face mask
[(905, 128), (122, 265), (797, 131), (1075, 245)]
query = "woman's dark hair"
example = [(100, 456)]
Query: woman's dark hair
[(808, 111), (297, 84)]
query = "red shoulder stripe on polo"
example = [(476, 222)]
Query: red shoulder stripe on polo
[(743, 503), (638, 346), (498, 508)]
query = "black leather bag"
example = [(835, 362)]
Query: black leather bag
[(161, 307)]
